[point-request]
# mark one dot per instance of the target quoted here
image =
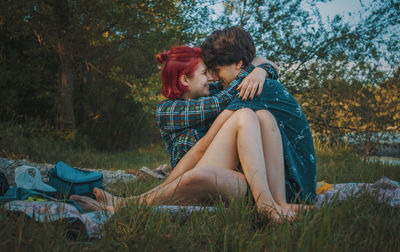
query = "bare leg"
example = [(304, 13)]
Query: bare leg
[(88, 204), (106, 198), (200, 185), (197, 186), (240, 137), (274, 162), (273, 155), (187, 163)]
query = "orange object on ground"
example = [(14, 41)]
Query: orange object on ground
[(131, 171), (322, 187)]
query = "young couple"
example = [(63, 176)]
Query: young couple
[(224, 140)]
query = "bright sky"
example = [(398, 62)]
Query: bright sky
[(341, 7), (329, 8)]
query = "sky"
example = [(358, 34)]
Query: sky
[(330, 8), (341, 7), (338, 7)]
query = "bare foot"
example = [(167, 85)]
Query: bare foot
[(89, 205), (106, 198), (298, 207), (277, 214)]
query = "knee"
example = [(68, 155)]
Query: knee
[(196, 177), (267, 119), (245, 116)]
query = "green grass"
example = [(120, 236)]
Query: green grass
[(353, 225), (44, 146)]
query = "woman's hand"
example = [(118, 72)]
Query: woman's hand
[(253, 82)]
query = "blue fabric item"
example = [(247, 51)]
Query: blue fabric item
[(73, 175), (19, 193), (69, 181)]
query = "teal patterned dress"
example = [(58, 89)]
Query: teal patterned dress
[(298, 147)]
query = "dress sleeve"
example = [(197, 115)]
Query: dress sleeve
[(174, 115), (273, 74), (270, 70)]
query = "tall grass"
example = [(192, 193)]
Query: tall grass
[(45, 146), (356, 224)]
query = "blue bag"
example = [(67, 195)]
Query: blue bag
[(71, 181)]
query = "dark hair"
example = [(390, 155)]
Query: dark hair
[(228, 46), (180, 60)]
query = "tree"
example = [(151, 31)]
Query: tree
[(293, 34), (91, 61), (117, 39)]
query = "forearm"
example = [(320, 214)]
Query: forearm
[(258, 60)]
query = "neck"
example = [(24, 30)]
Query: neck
[(186, 96), (236, 74)]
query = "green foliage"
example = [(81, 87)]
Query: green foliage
[(28, 82), (104, 52), (362, 112)]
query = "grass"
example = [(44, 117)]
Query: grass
[(360, 224), (44, 146)]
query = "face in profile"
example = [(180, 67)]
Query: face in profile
[(227, 73), (198, 83)]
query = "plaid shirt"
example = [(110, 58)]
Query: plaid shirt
[(183, 122)]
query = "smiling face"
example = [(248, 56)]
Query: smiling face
[(198, 83), (226, 74)]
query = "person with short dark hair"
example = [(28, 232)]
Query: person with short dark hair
[(226, 52), (228, 46)]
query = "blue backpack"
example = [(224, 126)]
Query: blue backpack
[(71, 181)]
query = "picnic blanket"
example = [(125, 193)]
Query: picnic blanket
[(49, 211), (385, 190)]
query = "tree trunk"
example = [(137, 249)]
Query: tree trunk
[(67, 76), (67, 71)]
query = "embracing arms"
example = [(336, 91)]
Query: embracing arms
[(173, 115)]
